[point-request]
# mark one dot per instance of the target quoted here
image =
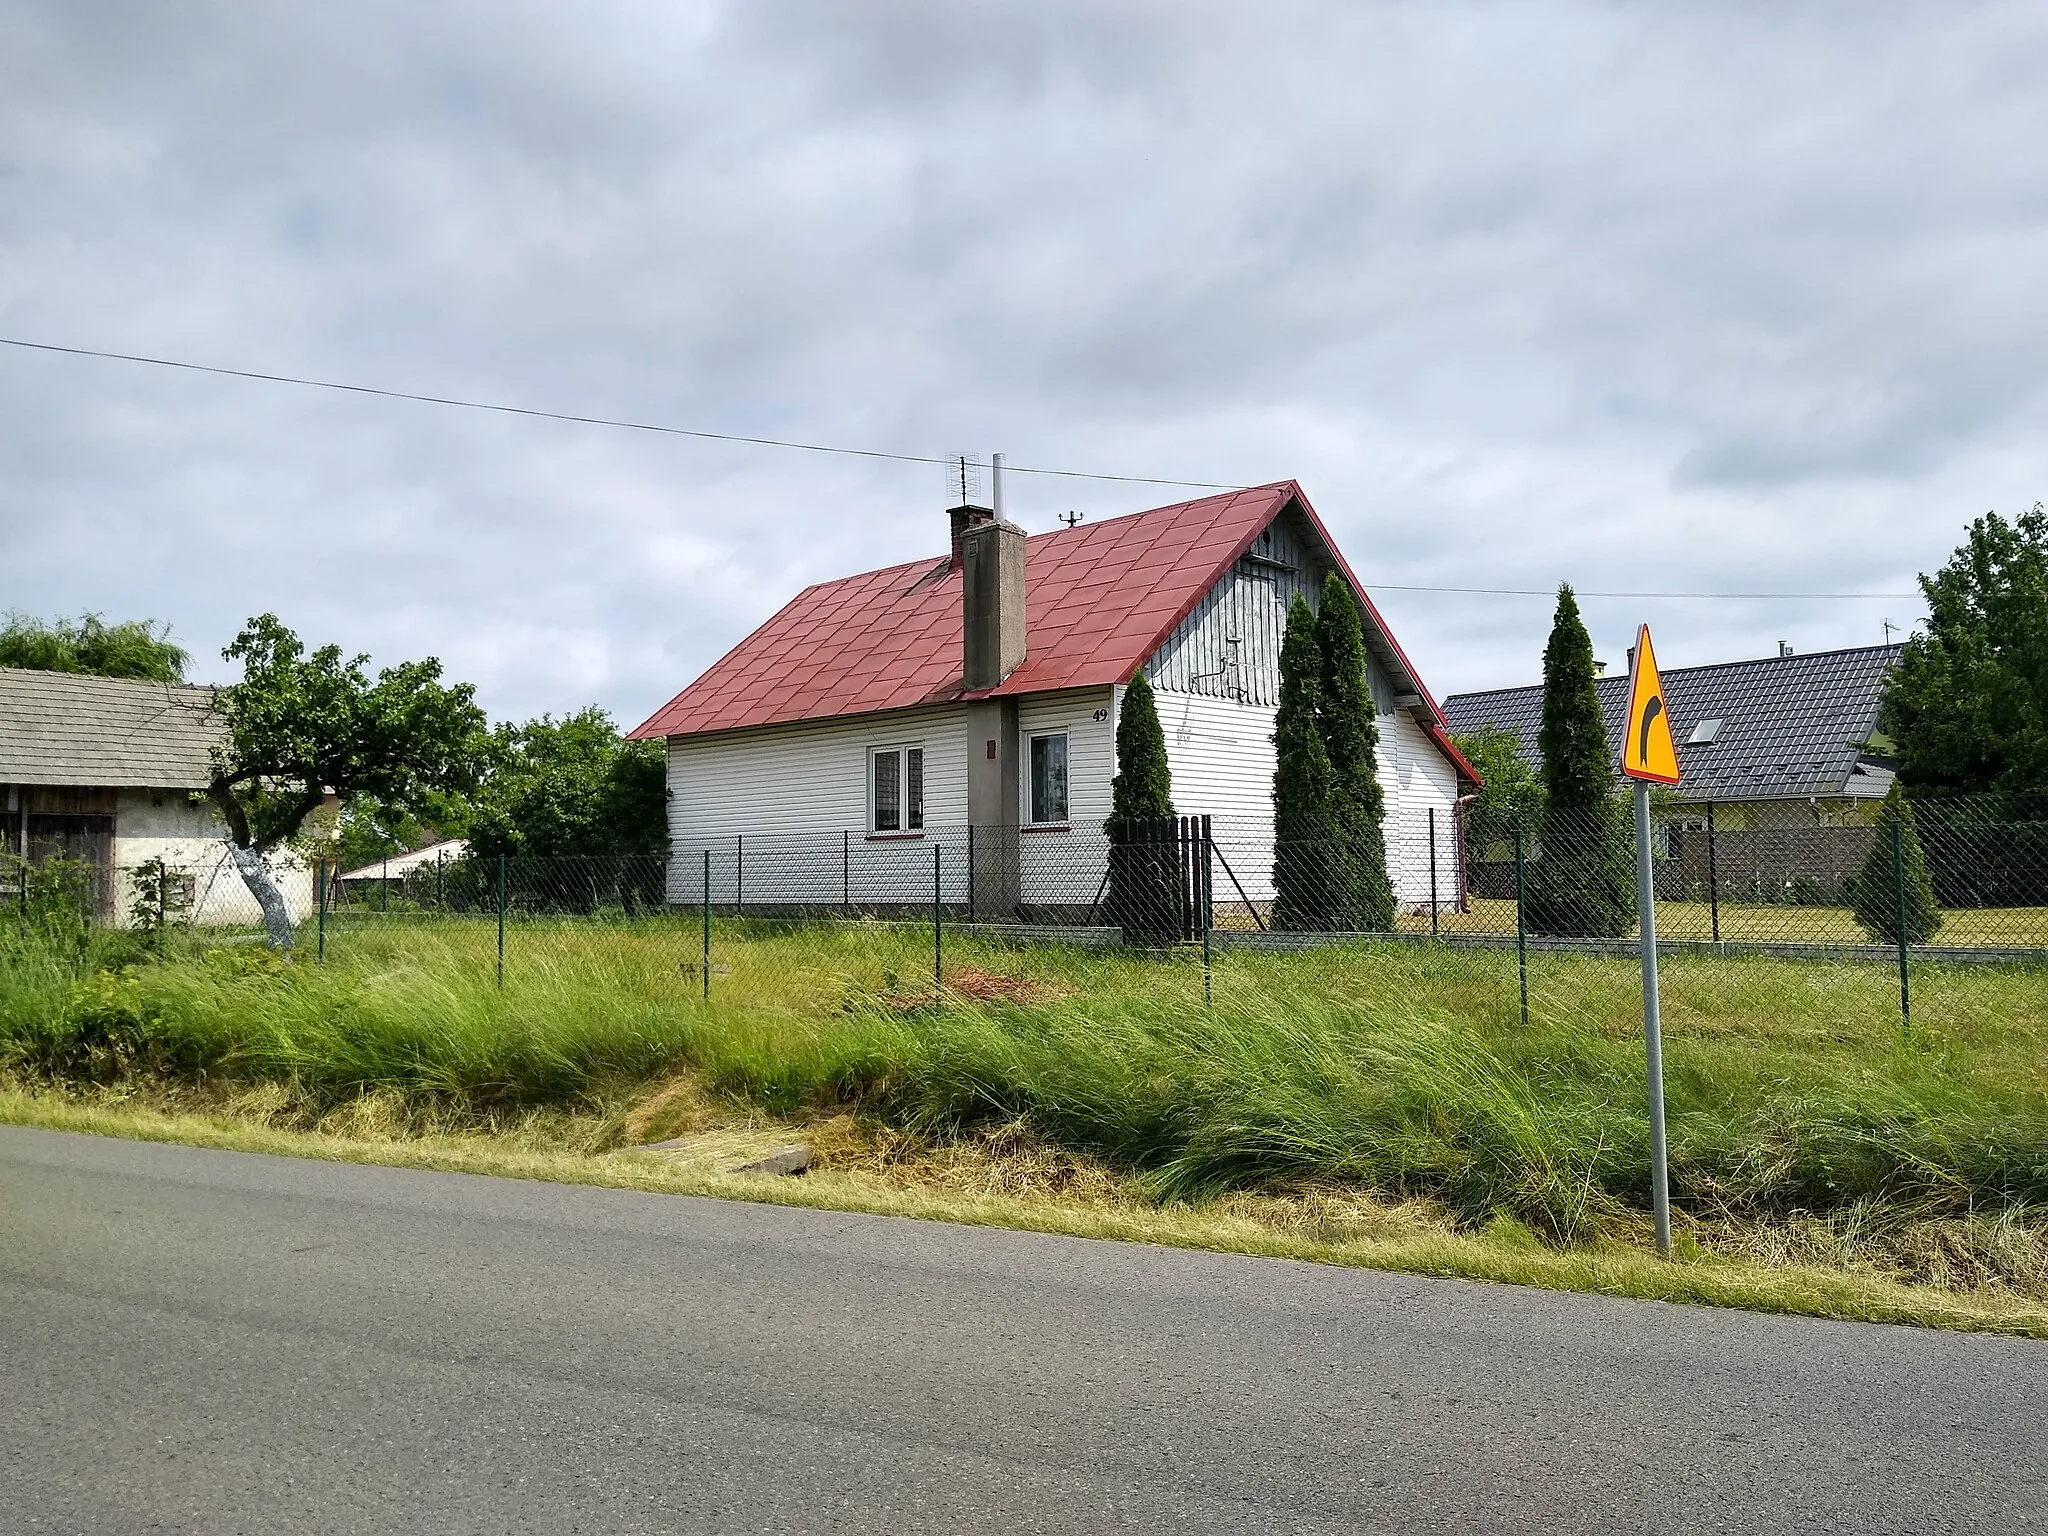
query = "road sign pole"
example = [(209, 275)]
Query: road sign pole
[(1653, 1033), (1649, 755)]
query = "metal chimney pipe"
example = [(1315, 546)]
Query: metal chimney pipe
[(995, 479)]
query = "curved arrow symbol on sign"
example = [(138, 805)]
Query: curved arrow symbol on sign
[(1651, 711)]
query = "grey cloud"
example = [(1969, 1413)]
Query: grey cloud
[(1734, 297)]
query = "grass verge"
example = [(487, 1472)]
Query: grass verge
[(1377, 1105), (1329, 1230)]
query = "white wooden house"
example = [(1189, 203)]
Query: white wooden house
[(974, 696)]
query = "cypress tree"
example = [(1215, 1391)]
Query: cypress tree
[(1303, 786), (1874, 890), (1572, 739), (1144, 874), (1582, 882), (1364, 896), (1143, 786)]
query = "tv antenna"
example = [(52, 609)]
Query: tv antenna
[(963, 479), (1889, 626), (1070, 518)]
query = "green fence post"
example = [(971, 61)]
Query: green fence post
[(1208, 914), (1713, 874), (938, 931), (1521, 931), (1899, 890), (707, 925), (501, 922), (320, 874)]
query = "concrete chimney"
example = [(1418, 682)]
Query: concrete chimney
[(991, 599)]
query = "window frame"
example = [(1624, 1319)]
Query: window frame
[(1031, 741), (910, 789)]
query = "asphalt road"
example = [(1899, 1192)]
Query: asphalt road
[(208, 1341)]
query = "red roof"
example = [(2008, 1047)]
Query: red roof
[(1100, 598)]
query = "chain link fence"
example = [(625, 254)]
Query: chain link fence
[(1519, 912)]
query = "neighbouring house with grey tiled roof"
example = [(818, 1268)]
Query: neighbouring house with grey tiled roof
[(111, 772), (1781, 741)]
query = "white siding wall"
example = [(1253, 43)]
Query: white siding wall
[(772, 805), (167, 824), (793, 792), (1066, 868), (1221, 754), (1417, 777)]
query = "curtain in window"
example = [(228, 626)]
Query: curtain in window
[(888, 792), (1048, 778)]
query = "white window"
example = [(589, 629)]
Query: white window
[(1049, 778), (896, 789)]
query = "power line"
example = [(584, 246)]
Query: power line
[(1728, 597), (588, 421), (875, 453)]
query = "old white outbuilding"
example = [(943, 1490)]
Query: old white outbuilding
[(110, 773)]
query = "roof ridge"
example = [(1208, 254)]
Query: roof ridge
[(1079, 530), (876, 640), (82, 678), (1621, 678)]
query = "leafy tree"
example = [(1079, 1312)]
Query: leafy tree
[(1144, 874), (1510, 798), (1364, 895), (570, 788), (300, 726), (1583, 882), (1967, 704), (1304, 787), (1874, 891), (139, 648)]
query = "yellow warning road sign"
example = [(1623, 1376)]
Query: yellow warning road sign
[(1648, 750)]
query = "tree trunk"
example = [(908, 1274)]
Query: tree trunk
[(277, 918)]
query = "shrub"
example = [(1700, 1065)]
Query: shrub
[(1875, 893), (1144, 871)]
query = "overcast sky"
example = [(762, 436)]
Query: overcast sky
[(1734, 297)]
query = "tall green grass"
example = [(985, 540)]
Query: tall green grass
[(1791, 1086)]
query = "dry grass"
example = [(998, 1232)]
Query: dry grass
[(1024, 1186)]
